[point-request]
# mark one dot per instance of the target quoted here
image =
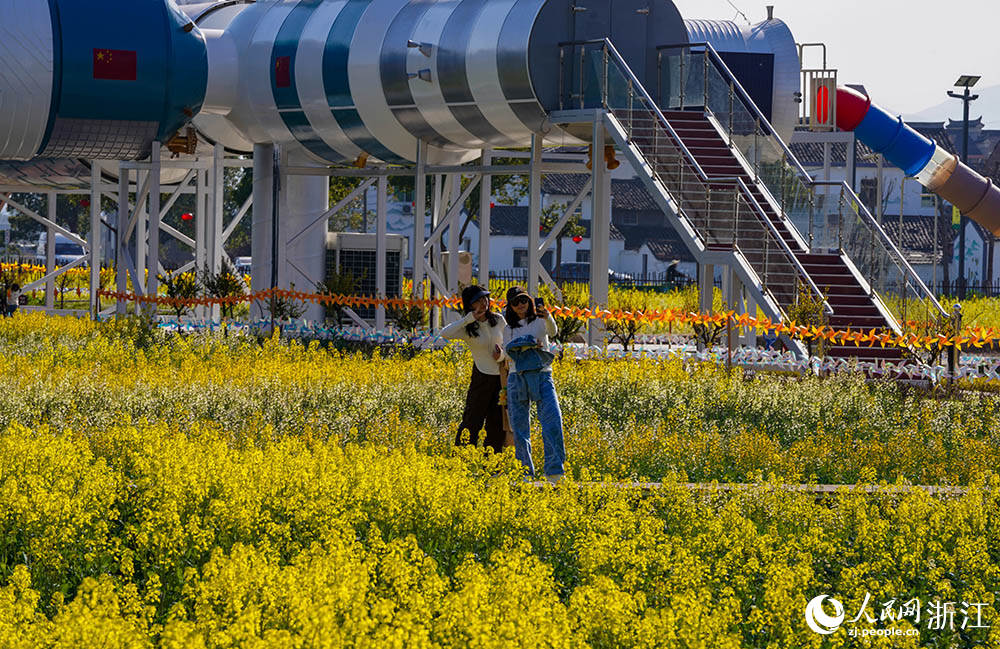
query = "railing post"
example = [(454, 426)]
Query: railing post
[(683, 82), (659, 77), (708, 209), (705, 80), (631, 116), (840, 222), (732, 109), (583, 54), (736, 218), (562, 71), (756, 150), (812, 208), (607, 90)]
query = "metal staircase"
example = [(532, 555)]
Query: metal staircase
[(738, 196)]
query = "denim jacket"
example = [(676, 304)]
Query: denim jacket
[(530, 360)]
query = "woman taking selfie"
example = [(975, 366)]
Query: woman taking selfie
[(526, 341), (482, 330)]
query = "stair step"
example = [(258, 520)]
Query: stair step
[(865, 353), (834, 279), (858, 322), (840, 301)]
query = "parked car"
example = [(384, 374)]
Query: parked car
[(243, 265), (67, 250)]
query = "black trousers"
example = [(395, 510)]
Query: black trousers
[(483, 411)]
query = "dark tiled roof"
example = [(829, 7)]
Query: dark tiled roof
[(627, 194), (669, 250), (918, 236), (810, 154), (512, 221), (663, 241)]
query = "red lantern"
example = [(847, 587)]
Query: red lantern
[(187, 216), (85, 203), (492, 204), (577, 239)]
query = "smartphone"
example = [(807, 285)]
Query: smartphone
[(539, 303)]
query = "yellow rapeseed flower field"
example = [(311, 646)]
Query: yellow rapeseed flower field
[(218, 491)]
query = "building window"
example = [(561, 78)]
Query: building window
[(630, 217), (927, 201), (583, 256), (521, 258)]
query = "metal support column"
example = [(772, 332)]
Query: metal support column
[(153, 256), (419, 220), (214, 219), (121, 242), (96, 235), (260, 230), (485, 212), (50, 252), (141, 224), (381, 208), (535, 214), (454, 235), (600, 234)]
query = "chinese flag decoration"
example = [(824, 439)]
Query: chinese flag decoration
[(283, 72), (116, 65)]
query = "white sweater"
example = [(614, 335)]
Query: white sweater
[(481, 346), (539, 328)]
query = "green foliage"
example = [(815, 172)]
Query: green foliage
[(180, 286), (573, 295), (624, 330), (224, 284), (339, 284), (808, 310)]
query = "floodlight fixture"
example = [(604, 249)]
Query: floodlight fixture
[(967, 81)]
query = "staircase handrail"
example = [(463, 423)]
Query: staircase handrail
[(750, 105), (784, 244), (875, 225), (638, 87)]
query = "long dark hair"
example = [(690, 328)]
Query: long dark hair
[(511, 316), (473, 327)]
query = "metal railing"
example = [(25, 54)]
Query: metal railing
[(696, 76), (723, 212)]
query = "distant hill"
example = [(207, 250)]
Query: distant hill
[(988, 105)]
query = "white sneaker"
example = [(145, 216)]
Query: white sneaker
[(555, 479)]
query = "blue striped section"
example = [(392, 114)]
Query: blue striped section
[(171, 65), (890, 136), (56, 72), (286, 43), (338, 87)]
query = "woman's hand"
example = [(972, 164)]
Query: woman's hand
[(541, 312), (479, 310)]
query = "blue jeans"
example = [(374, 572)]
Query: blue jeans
[(519, 413)]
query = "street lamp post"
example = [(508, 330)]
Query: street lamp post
[(966, 81)]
